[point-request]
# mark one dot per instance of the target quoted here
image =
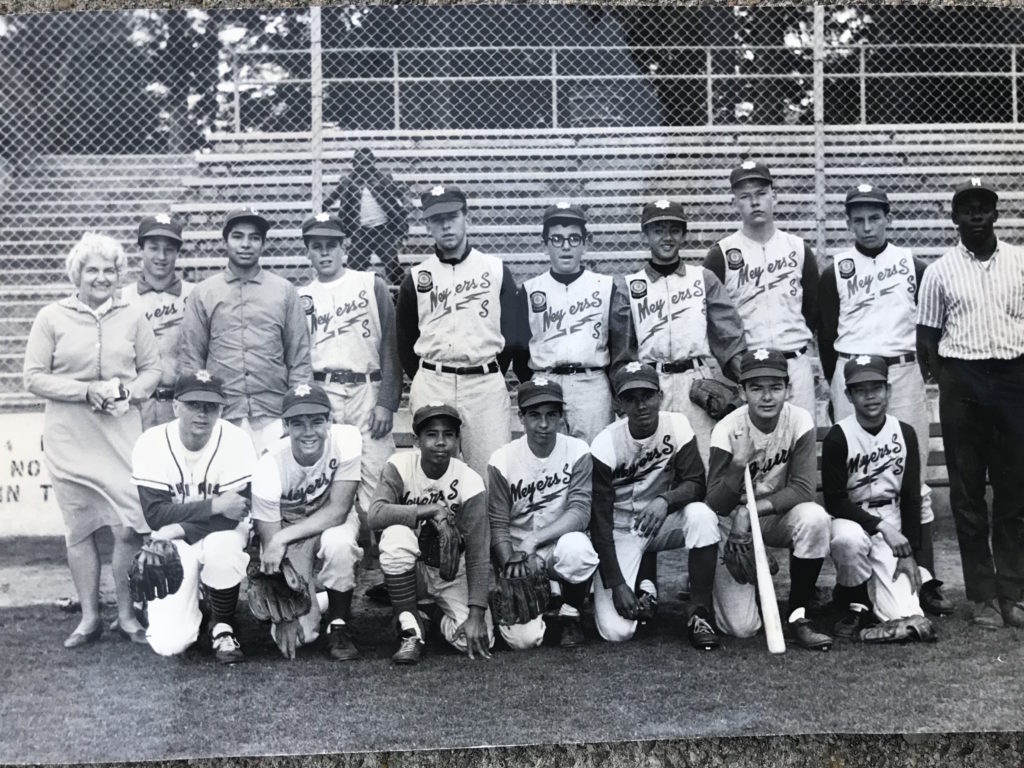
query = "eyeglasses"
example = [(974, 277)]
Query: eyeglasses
[(558, 241)]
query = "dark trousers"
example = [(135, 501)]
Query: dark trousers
[(382, 240), (981, 408)]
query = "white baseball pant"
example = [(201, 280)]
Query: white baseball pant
[(400, 552), (805, 530), (801, 381), (588, 403), (694, 526), (265, 431), (676, 397)]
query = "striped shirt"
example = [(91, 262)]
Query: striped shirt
[(978, 305)]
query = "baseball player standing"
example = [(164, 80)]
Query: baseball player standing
[(302, 494), (575, 324), (870, 476), (193, 476), (772, 277), (648, 496), (423, 484), (538, 500), (970, 336), (246, 326), (776, 440), (868, 304), (455, 319), (679, 316), (353, 350)]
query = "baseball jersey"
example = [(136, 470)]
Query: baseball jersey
[(164, 310), (285, 491), (877, 302), (184, 482), (568, 323), (669, 314), (344, 322), (526, 492), (765, 282)]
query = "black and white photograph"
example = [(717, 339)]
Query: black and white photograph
[(401, 377)]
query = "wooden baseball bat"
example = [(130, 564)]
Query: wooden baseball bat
[(765, 587)]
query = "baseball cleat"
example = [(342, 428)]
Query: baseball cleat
[(806, 636), (572, 632), (226, 647), (410, 651), (987, 616), (647, 606), (853, 621), (1013, 613), (933, 601), (701, 633), (339, 643)]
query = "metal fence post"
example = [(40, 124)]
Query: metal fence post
[(708, 68), (237, 94), (863, 86), (554, 88), (396, 113), (1013, 82), (819, 130), (316, 76)]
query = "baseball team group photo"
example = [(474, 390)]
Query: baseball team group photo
[(432, 381)]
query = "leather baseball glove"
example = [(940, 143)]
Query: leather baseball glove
[(277, 597), (739, 558), (156, 571), (716, 397), (901, 631), (441, 545), (521, 591)]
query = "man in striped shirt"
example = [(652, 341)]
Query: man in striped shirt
[(970, 336)]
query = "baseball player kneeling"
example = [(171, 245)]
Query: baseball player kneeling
[(538, 501), (648, 496), (193, 478), (431, 510), (302, 494), (871, 478), (776, 441)]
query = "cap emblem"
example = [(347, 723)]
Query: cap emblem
[(203, 376), (761, 354), (303, 390), (662, 204), (633, 367), (865, 188), (862, 360), (162, 218)]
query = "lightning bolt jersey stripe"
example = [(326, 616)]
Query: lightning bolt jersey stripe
[(875, 463), (670, 315), (569, 323), (164, 312), (877, 309), (344, 322)]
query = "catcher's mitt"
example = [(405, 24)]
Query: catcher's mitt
[(277, 597), (441, 545), (900, 631), (739, 558), (716, 397), (521, 591), (156, 571)]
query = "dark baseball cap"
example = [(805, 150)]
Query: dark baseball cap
[(244, 214), (763, 362), (323, 225), (199, 387), (160, 225), (974, 186), (867, 193), (662, 210), (565, 211), (305, 399), (539, 389), (433, 411), (635, 376), (440, 199), (865, 368), (750, 169)]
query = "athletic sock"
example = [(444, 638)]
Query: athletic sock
[(702, 562), (859, 595), (648, 570), (222, 604), (339, 604), (926, 553), (803, 575), (575, 595), (402, 591)]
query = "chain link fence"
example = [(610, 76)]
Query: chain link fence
[(107, 116)]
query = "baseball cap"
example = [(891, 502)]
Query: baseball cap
[(662, 210), (867, 193), (199, 387), (865, 368), (539, 389), (161, 225), (323, 225), (635, 376), (565, 211), (441, 199), (974, 185), (244, 214), (305, 399), (763, 362), (431, 411), (750, 169)]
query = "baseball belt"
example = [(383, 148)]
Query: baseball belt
[(791, 355), (465, 370), (346, 377), (163, 394), (568, 369), (677, 366), (898, 360)]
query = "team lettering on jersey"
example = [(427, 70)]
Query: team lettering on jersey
[(554, 485), (871, 465), (647, 461), (433, 495), (879, 283), (678, 301), (165, 317), (553, 319), (202, 490), (302, 501), (773, 273), (761, 468), (351, 315), (461, 294)]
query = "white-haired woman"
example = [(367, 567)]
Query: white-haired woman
[(94, 358)]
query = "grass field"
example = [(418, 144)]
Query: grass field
[(116, 701)]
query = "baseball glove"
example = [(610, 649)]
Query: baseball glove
[(441, 545), (900, 631), (716, 397), (739, 558), (277, 597), (156, 571), (521, 591)]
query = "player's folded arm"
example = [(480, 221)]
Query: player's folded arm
[(688, 483), (385, 509), (802, 478), (725, 482)]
